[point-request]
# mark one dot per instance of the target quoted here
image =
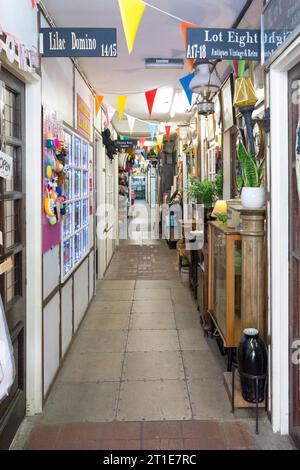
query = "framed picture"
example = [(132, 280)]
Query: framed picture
[(211, 128), (227, 104)]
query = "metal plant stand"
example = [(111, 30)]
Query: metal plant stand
[(256, 379)]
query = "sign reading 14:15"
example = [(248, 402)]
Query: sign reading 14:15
[(78, 42)]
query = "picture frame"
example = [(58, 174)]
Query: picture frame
[(211, 127), (228, 114)]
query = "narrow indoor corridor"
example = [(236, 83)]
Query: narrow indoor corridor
[(140, 373)]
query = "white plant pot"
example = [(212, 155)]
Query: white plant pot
[(253, 198)]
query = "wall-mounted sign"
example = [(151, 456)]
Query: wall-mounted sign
[(78, 42), (125, 144), (83, 118), (226, 44), (279, 20), (6, 166), (16, 53)]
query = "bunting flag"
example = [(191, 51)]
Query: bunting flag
[(152, 129), (131, 122), (185, 83), (177, 132), (242, 66), (98, 102), (34, 3), (150, 97), (168, 133), (160, 139), (236, 67), (131, 13), (110, 111), (121, 105), (184, 27), (142, 142)]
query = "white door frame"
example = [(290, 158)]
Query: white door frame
[(100, 221), (279, 232)]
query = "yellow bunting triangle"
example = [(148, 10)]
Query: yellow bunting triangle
[(121, 105), (131, 13), (160, 139)]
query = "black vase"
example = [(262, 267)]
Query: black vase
[(252, 362)]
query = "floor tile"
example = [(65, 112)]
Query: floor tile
[(115, 285), (151, 340), (92, 368), (43, 438), (81, 402), (160, 430), (152, 321), (163, 444), (209, 399), (118, 307), (153, 366), (193, 340), (158, 284), (88, 342), (202, 365), (185, 306), (152, 306), (237, 436), (112, 295), (152, 294), (187, 321), (106, 322), (153, 401)]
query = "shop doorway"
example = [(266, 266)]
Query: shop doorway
[(294, 247), (12, 226)]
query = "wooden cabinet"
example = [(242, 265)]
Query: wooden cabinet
[(224, 289), (237, 277)]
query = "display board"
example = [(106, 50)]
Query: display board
[(75, 227)]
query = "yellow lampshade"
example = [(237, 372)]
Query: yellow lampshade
[(220, 208), (244, 93)]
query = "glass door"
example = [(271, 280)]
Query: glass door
[(12, 246), (294, 247)]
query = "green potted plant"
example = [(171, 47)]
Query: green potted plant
[(202, 192), (253, 193)]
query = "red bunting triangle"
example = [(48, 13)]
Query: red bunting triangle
[(142, 142), (34, 3), (150, 97), (168, 133)]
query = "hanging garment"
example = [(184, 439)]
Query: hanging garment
[(7, 362)]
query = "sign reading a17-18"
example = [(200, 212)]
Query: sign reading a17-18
[(226, 44), (78, 42)]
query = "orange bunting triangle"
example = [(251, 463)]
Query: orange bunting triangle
[(98, 102), (184, 27)]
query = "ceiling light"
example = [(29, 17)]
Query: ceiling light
[(206, 81), (164, 63)]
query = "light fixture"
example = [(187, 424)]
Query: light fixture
[(205, 108), (164, 63), (206, 80)]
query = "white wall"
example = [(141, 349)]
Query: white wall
[(81, 293), (22, 25), (51, 331)]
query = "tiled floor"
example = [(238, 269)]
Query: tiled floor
[(140, 373)]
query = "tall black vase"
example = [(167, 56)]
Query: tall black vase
[(252, 362)]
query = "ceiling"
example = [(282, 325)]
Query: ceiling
[(159, 36)]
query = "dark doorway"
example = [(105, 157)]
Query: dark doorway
[(294, 249), (12, 226)]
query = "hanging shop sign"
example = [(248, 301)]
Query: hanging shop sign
[(78, 42), (83, 118), (16, 53), (280, 19), (6, 166), (125, 144), (226, 44)]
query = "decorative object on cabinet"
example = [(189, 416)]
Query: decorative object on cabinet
[(227, 104), (253, 194)]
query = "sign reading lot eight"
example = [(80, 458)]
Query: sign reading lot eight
[(227, 44), (78, 42)]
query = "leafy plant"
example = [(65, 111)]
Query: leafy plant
[(222, 218), (219, 185), (203, 192), (252, 170)]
